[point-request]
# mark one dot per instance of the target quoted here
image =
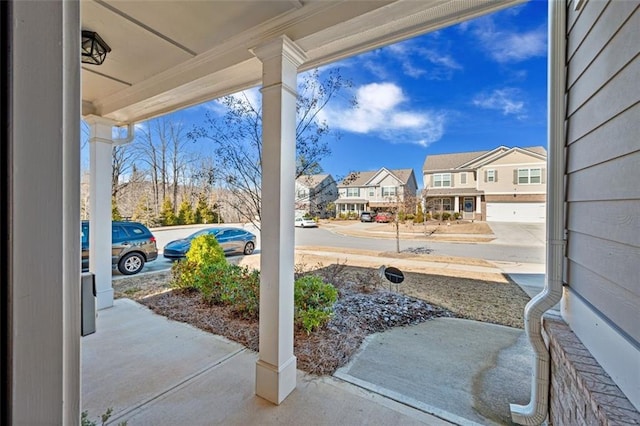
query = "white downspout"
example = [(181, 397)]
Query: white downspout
[(536, 411)]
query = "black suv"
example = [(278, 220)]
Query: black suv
[(132, 245), (367, 217)]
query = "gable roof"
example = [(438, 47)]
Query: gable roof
[(363, 178), (311, 181), (460, 159)]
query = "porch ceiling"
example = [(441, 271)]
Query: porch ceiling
[(168, 55)]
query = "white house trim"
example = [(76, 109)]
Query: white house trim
[(617, 355)]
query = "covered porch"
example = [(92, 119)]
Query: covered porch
[(156, 64), (466, 204)]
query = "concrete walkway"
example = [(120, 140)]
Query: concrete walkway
[(153, 371)]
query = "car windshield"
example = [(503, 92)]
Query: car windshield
[(214, 232)]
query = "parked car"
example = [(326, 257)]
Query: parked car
[(367, 217), (132, 245), (301, 222), (384, 217), (232, 240)]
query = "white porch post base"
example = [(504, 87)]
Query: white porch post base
[(104, 297), (275, 384)]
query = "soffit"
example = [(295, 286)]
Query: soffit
[(169, 54)]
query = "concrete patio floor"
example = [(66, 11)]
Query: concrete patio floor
[(153, 371)]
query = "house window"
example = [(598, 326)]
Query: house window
[(442, 204), (353, 192), (389, 191), (529, 176), (302, 193), (372, 192), (463, 178), (442, 180), (491, 176)]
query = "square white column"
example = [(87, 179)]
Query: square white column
[(276, 366), (100, 150), (456, 204)]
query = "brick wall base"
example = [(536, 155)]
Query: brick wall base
[(581, 392)]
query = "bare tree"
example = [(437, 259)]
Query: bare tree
[(401, 204), (237, 137), (161, 147)]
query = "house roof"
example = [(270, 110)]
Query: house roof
[(311, 181), (363, 178), (457, 160)]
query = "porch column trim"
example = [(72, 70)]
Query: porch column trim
[(100, 148), (276, 366)]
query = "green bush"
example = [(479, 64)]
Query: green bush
[(446, 215), (205, 250), (457, 215), (436, 216), (313, 300)]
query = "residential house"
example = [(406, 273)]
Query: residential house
[(501, 185), (377, 190), (315, 194), (586, 367)]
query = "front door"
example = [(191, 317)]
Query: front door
[(468, 208)]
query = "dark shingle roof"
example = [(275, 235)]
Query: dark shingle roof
[(311, 181), (452, 161)]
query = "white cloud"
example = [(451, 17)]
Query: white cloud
[(380, 112), (506, 100), (410, 53), (510, 46)]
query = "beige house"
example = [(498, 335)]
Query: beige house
[(586, 363), (315, 194), (378, 190), (500, 185)]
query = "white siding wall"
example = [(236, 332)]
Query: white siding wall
[(603, 194)]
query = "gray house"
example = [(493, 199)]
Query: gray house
[(315, 194), (587, 361)]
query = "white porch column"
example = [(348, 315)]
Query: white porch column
[(101, 147), (456, 203), (276, 366), (478, 204)]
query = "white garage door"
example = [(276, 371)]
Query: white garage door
[(516, 212)]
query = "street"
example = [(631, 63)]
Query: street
[(323, 237)]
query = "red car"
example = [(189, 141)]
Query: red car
[(384, 217)]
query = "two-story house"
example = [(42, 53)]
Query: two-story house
[(500, 185), (377, 190), (314, 193)]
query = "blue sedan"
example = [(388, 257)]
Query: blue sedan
[(232, 240)]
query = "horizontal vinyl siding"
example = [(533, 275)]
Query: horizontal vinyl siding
[(603, 160), (612, 180), (621, 136), (615, 220), (614, 57), (598, 291)]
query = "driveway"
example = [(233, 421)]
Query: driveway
[(518, 234)]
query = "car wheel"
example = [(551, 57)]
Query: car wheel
[(131, 263), (248, 248)]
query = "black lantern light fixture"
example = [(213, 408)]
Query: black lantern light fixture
[(94, 49)]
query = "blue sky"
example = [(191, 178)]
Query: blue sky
[(473, 86)]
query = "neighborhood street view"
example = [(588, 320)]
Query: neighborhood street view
[(310, 212)]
